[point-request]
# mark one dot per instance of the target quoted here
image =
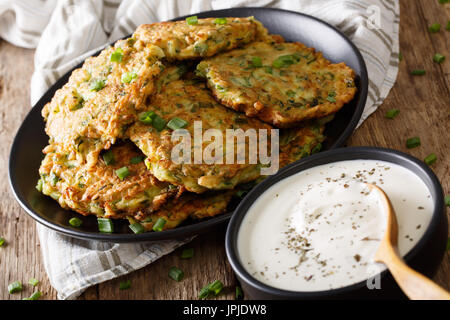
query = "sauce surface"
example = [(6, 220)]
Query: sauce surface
[(320, 228)]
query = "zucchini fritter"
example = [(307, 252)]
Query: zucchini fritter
[(180, 40), (102, 98), (279, 83), (99, 190), (191, 101)]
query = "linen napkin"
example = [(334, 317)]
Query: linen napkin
[(66, 32)]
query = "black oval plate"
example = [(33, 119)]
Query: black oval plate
[(26, 152)]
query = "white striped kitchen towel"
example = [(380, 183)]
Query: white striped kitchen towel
[(65, 32)]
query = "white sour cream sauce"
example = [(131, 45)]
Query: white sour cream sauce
[(320, 228)]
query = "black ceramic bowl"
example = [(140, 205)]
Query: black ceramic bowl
[(425, 256), (26, 152)]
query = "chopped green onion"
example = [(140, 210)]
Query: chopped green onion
[(435, 27), (284, 61), (53, 178), (331, 99), (75, 222), (268, 70), (34, 296), (448, 244), (123, 172), (430, 159), (192, 20), (220, 21), (447, 200), (447, 27), (14, 287), (159, 224), (213, 288), (158, 123), (176, 274), (418, 72), (108, 157), (220, 88), (187, 253), (400, 56), (200, 48), (117, 55), (97, 85), (239, 293), (125, 285), (413, 142), (439, 58), (392, 113), (33, 281), (241, 193), (257, 62), (137, 228), (216, 287), (443, 1), (317, 148), (39, 185), (105, 225), (176, 123), (136, 160), (128, 77), (146, 117), (2, 241)]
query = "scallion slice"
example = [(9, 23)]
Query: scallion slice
[(447, 27), (176, 274), (75, 222), (176, 123), (97, 85), (137, 228), (438, 58), (108, 157), (146, 117), (2, 241), (220, 21), (447, 200), (435, 27), (430, 159), (214, 288), (128, 77), (392, 113), (257, 62), (125, 285), (239, 293), (413, 142), (187, 253), (39, 185), (123, 172), (418, 72), (33, 281), (105, 225), (159, 224), (117, 55), (158, 123), (14, 287), (136, 160), (192, 20), (35, 296)]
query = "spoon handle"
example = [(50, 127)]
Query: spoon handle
[(415, 285)]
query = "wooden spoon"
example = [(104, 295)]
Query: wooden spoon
[(415, 285)]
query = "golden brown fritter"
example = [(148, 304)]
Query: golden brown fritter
[(180, 40), (99, 190), (190, 101), (101, 99), (279, 83)]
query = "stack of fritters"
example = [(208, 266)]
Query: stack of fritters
[(111, 125)]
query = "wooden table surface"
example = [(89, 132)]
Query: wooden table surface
[(424, 102)]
